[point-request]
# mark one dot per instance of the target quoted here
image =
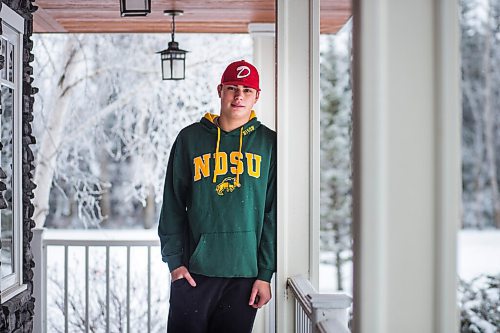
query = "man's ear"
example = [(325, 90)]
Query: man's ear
[(257, 94), (219, 90)]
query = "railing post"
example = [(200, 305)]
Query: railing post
[(318, 313), (329, 307), (38, 279)]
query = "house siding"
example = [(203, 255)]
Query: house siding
[(17, 313)]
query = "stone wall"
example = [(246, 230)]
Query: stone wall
[(17, 313)]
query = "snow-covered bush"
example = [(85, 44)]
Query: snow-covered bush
[(479, 302)]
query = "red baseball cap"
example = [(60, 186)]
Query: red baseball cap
[(241, 73)]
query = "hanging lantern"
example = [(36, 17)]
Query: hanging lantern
[(135, 7), (173, 59)]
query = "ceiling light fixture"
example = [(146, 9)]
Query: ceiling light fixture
[(173, 59), (135, 7)]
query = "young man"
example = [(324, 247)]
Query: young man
[(218, 221)]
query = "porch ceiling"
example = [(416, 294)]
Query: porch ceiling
[(209, 16)]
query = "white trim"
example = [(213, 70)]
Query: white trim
[(314, 143), (284, 305), (7, 84), (38, 278), (13, 291), (262, 29), (12, 31), (17, 189), (264, 44), (448, 163), (9, 280), (264, 59), (99, 242), (294, 28), (12, 18), (370, 252)]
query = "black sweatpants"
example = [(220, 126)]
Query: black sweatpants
[(215, 305)]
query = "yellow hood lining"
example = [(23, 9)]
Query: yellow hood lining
[(212, 116)]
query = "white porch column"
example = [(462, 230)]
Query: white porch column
[(39, 277), (264, 59), (298, 149), (407, 170)]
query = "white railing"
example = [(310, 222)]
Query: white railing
[(315, 312), (104, 239)]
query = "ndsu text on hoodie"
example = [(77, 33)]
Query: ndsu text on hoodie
[(219, 204)]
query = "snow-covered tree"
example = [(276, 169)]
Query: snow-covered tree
[(106, 120), (336, 142), (480, 49)]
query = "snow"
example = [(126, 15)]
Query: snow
[(478, 252), (328, 275)]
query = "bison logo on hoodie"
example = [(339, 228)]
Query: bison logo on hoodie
[(227, 185)]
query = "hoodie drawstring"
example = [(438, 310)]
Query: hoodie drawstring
[(239, 156), (216, 155), (214, 180)]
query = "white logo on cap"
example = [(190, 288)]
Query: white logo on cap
[(241, 72)]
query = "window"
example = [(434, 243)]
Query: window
[(11, 220)]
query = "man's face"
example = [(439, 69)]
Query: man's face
[(237, 101)]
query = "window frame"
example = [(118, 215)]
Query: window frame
[(13, 31)]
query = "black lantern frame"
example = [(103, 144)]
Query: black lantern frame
[(135, 7), (173, 59)]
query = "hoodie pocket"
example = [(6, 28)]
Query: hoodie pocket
[(227, 254)]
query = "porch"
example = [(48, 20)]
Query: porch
[(406, 174), (257, 19)]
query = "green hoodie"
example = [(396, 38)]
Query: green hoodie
[(219, 214)]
